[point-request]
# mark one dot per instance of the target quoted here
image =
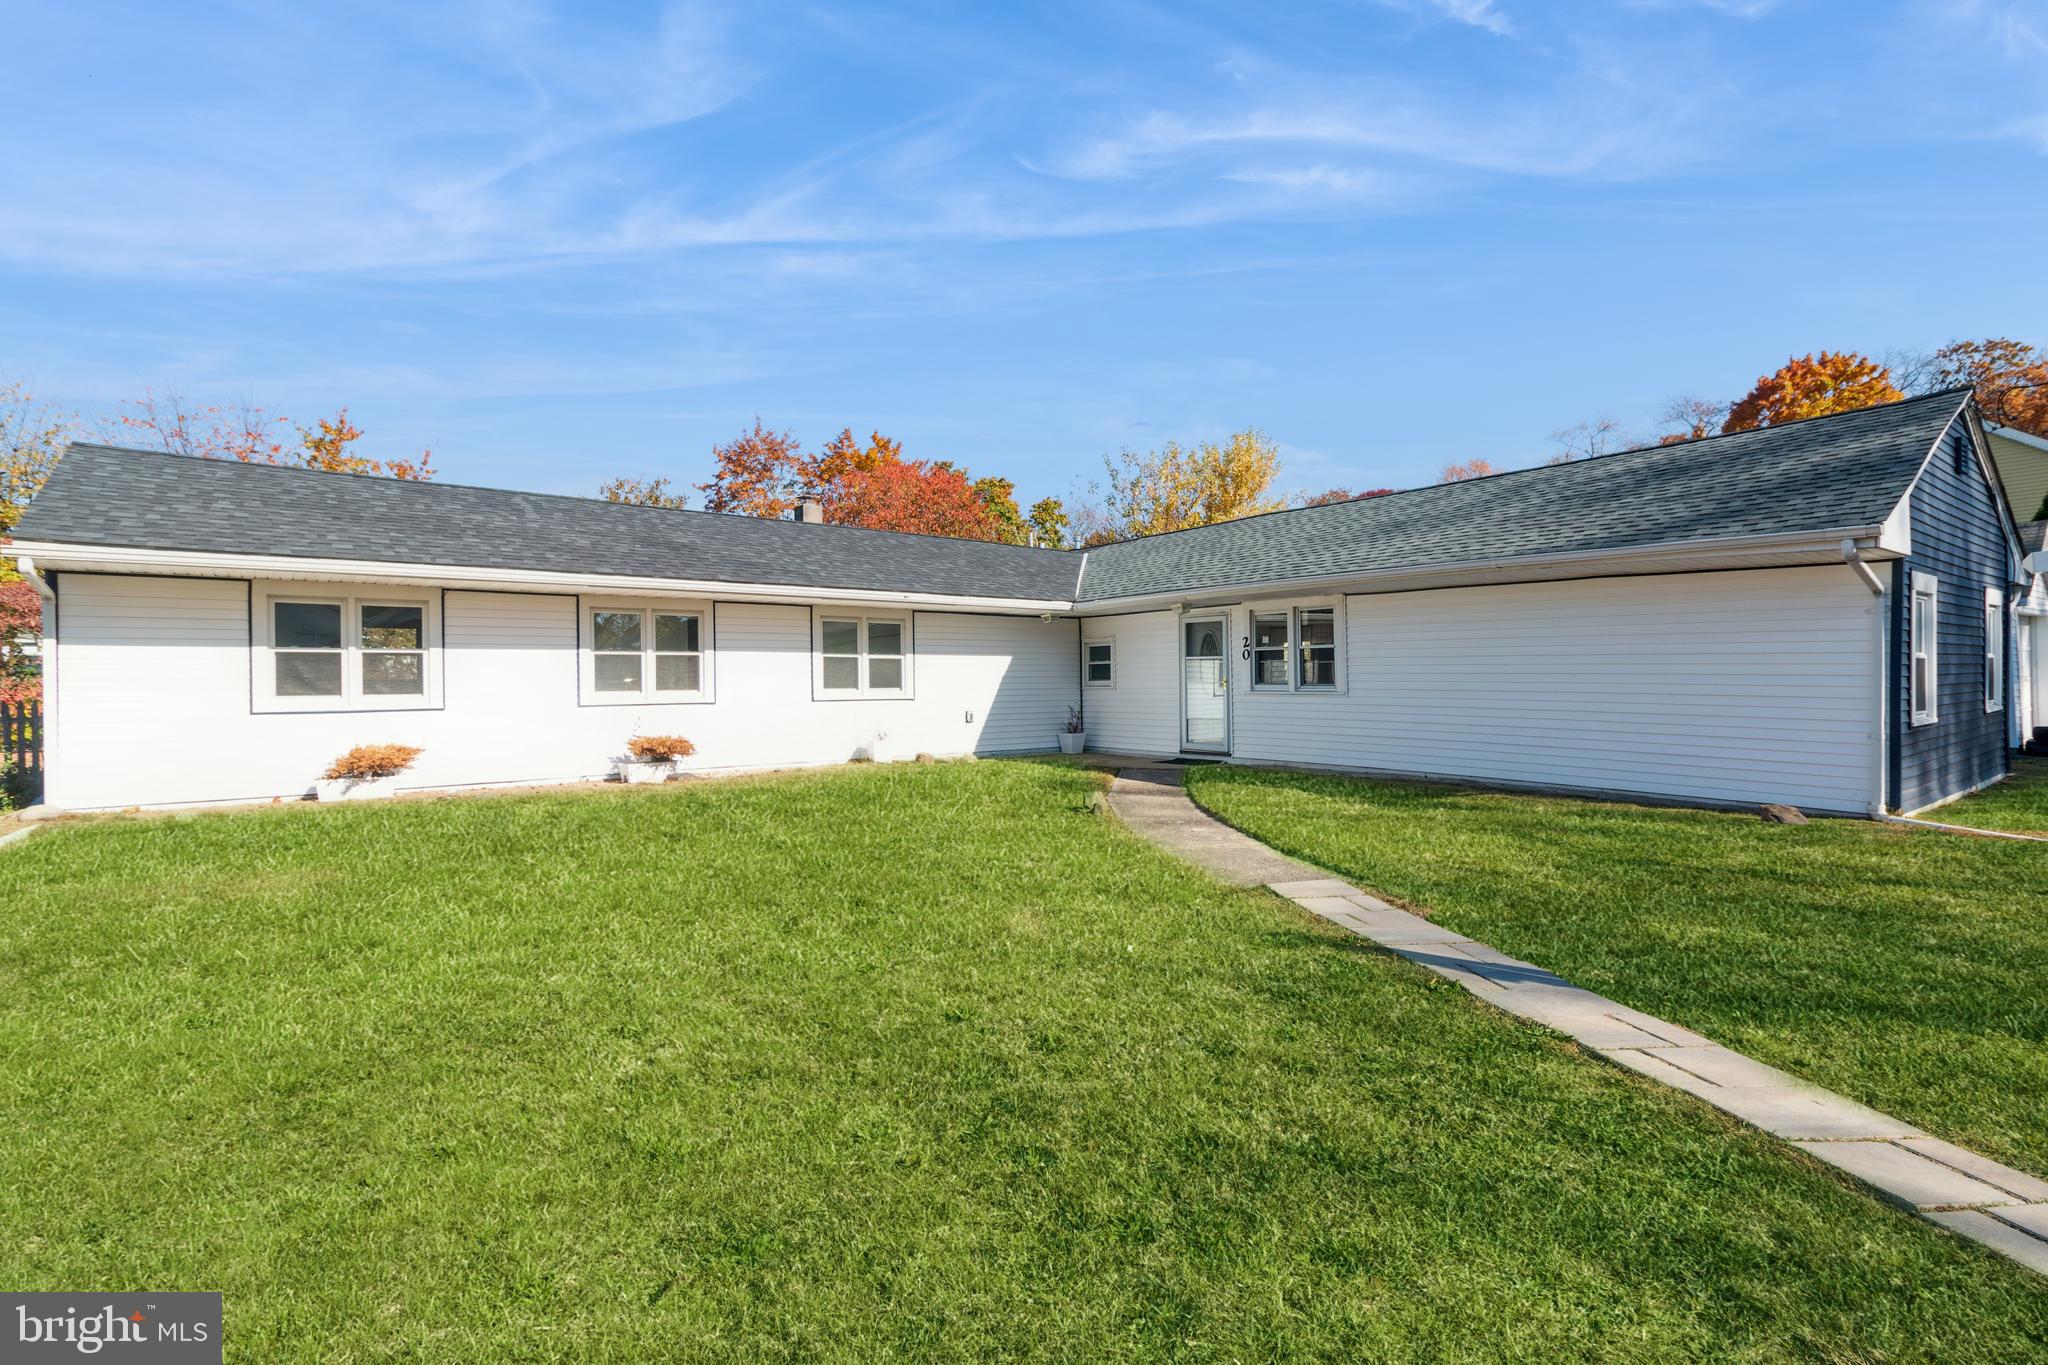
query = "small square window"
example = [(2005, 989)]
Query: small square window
[(1101, 662), (307, 653), (1318, 629)]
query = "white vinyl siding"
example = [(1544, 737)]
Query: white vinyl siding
[(1141, 715), (1754, 686), (137, 650)]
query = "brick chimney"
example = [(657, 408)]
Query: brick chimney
[(810, 510)]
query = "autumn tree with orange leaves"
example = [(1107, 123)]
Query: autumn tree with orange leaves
[(32, 437), (923, 496), (844, 457), (2009, 379), (758, 474), (326, 445), (1813, 386), (1468, 469), (765, 473)]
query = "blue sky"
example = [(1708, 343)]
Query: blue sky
[(559, 244)]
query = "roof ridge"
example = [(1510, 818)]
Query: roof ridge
[(532, 493)]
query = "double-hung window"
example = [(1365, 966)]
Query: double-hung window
[(1099, 663), (1316, 628), (1269, 649), (1925, 645), (861, 655), (1294, 649), (344, 650), (1994, 650), (650, 652)]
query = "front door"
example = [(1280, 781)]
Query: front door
[(1205, 686)]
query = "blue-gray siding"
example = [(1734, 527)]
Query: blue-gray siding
[(1959, 536)]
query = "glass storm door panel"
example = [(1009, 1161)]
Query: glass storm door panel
[(1205, 687)]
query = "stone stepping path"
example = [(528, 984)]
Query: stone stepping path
[(1973, 1196)]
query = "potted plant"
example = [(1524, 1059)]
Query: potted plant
[(652, 758), (365, 772), (1075, 735), (879, 749)]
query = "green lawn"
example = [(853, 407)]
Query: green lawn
[(1904, 968), (895, 1061), (2018, 804)]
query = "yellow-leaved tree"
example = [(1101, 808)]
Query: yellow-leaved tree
[(1813, 386), (1176, 486)]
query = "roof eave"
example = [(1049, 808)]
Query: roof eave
[(1730, 552), (62, 556)]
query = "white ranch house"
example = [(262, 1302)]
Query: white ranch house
[(1821, 614)]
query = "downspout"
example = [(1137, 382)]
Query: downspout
[(1854, 560), (27, 567)]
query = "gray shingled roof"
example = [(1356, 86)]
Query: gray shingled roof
[(106, 495), (1826, 473)]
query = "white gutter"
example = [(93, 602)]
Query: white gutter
[(27, 567), (1854, 560), (1819, 543), (117, 559)]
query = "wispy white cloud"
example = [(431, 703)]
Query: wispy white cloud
[(460, 136), (1607, 133), (1481, 14), (1739, 9), (1321, 178), (1477, 13)]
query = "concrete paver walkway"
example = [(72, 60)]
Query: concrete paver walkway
[(2004, 1209)]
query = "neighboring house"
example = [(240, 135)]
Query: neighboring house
[(2031, 688), (1815, 614), (2022, 461)]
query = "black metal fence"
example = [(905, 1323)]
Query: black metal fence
[(21, 735)]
